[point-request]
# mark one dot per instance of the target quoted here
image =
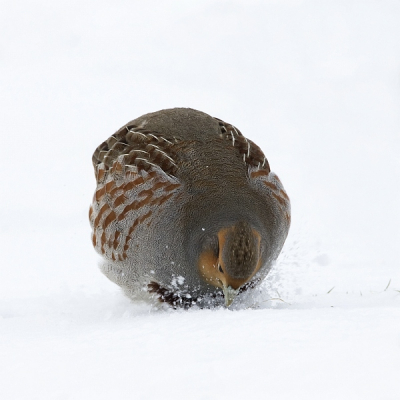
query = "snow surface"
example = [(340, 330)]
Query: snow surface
[(316, 84)]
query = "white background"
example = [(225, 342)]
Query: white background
[(316, 84)]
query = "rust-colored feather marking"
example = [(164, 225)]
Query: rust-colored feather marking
[(100, 214), (172, 186), (100, 173), (279, 198), (119, 200), (116, 236), (110, 218), (127, 209), (113, 192), (102, 242), (271, 185), (109, 186), (162, 200), (100, 193), (260, 172), (146, 192), (130, 185), (117, 168), (284, 194), (158, 185)]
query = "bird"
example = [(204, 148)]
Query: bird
[(186, 210)]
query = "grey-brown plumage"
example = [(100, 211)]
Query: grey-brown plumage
[(240, 251), (186, 208)]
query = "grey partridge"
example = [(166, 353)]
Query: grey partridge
[(186, 209)]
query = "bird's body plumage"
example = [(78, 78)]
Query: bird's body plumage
[(172, 187)]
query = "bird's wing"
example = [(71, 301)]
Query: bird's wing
[(135, 175), (259, 172)]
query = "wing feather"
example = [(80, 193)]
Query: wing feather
[(135, 174)]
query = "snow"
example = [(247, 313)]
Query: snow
[(316, 85), (102, 346)]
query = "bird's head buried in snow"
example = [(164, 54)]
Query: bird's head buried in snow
[(231, 258)]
